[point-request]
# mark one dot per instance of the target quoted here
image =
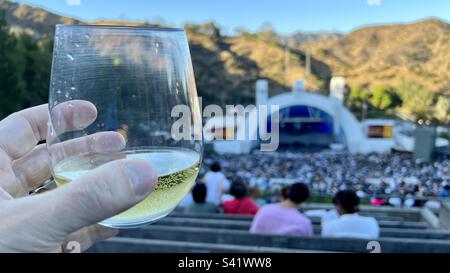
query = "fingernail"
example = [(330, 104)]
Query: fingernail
[(142, 176)]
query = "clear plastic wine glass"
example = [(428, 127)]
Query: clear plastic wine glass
[(125, 92)]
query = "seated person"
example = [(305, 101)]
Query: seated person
[(241, 204), (284, 217), (331, 214), (445, 191), (280, 195), (350, 224), (284, 193), (200, 205)]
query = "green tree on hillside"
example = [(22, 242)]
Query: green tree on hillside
[(12, 87), (37, 56), (358, 96), (442, 109), (209, 29), (384, 98), (359, 93), (416, 99)]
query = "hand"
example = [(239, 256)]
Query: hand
[(46, 222)]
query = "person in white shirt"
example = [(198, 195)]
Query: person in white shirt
[(349, 224), (330, 215), (216, 183)]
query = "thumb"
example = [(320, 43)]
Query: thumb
[(102, 193)]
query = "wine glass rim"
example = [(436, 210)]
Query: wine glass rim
[(121, 27)]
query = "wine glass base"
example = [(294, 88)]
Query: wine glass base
[(127, 224)]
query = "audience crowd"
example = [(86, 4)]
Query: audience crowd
[(233, 184), (327, 172)]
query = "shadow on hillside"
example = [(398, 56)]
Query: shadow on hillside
[(215, 83), (318, 68)]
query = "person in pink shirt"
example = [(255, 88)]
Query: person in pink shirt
[(284, 218)]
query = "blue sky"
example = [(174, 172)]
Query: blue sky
[(286, 16)]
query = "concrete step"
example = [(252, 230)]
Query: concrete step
[(243, 222), (239, 237), (135, 245)]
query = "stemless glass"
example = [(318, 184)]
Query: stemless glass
[(113, 93)]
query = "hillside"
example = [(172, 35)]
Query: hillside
[(226, 68), (389, 54), (34, 21)]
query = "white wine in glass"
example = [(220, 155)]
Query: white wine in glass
[(176, 168)]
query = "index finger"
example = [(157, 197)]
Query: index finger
[(21, 131)]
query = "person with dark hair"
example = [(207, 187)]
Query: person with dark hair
[(280, 195), (200, 205), (445, 191), (284, 193), (350, 224), (215, 167), (241, 204), (216, 183), (284, 217)]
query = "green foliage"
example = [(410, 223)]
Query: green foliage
[(384, 98), (209, 29), (416, 99), (25, 65), (381, 101), (37, 58), (12, 86), (359, 94), (442, 108)]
